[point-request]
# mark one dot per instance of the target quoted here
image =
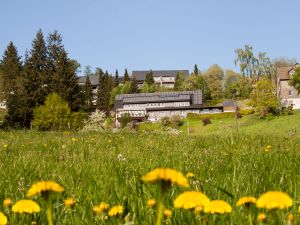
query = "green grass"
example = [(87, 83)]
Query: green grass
[(286, 125), (91, 170)]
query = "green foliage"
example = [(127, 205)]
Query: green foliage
[(246, 111), (116, 79), (104, 90), (295, 79), (125, 119), (134, 86), (196, 70), (146, 88), (214, 78), (206, 121), (56, 115), (149, 78), (179, 81), (195, 116), (264, 98), (88, 96), (126, 76)]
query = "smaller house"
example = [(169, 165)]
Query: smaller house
[(163, 78), (229, 106), (287, 94)]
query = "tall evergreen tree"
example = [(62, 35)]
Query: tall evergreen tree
[(134, 86), (13, 88), (62, 72), (149, 78), (116, 79), (36, 83), (88, 96), (196, 71), (126, 76), (103, 94)]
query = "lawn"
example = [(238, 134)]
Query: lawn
[(107, 167)]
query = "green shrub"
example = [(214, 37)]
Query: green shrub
[(195, 116), (125, 119), (77, 120), (54, 115), (165, 121), (246, 111), (176, 121), (206, 121)]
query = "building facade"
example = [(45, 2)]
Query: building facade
[(287, 94), (163, 78), (154, 106)]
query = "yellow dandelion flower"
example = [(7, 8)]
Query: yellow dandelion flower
[(167, 213), (74, 139), (190, 175), (33, 223), (151, 203), (192, 199), (299, 209), (219, 207), (261, 217), (247, 200), (5, 145), (100, 208), (103, 206), (166, 174), (268, 148), (7, 202), (44, 186), (116, 210), (69, 202), (3, 219), (97, 210), (274, 200), (290, 217), (26, 206)]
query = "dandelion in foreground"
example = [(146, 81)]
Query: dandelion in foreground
[(151, 203), (116, 210), (26, 206), (7, 202), (69, 202), (167, 213), (43, 187), (247, 201), (166, 175), (100, 208), (3, 219), (192, 199), (261, 217), (274, 200), (219, 207)]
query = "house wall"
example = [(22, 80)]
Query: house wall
[(287, 91)]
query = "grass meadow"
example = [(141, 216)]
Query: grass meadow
[(107, 167)]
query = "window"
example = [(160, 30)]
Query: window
[(290, 93)]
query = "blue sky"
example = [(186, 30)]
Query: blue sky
[(156, 34)]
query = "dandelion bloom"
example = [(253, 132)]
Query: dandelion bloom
[(246, 201), (166, 174), (192, 199), (151, 202), (100, 208), (261, 217), (116, 210), (7, 202), (3, 219), (299, 209), (219, 207), (5, 145), (69, 202), (190, 175), (167, 213), (26, 206), (274, 200), (44, 186)]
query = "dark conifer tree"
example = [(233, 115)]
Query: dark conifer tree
[(88, 96), (103, 92), (149, 78), (62, 72), (134, 86), (126, 76), (196, 71), (13, 88), (116, 79)]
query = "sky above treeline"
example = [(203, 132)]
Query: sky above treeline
[(156, 34)]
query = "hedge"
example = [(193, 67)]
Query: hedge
[(195, 116)]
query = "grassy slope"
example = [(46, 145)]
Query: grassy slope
[(280, 125)]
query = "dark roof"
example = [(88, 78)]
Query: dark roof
[(141, 75), (93, 78), (229, 103), (283, 72), (174, 108), (195, 97)]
